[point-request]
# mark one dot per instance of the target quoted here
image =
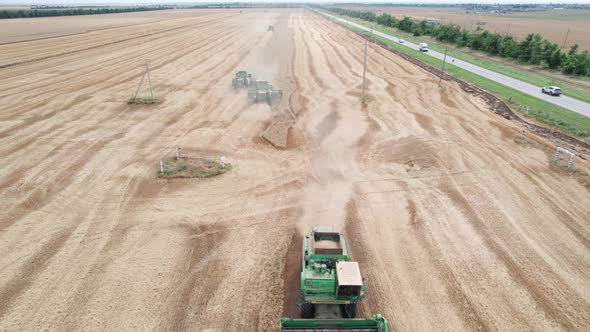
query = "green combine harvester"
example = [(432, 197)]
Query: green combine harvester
[(242, 80), (331, 286), (261, 91)]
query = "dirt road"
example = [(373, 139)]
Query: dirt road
[(457, 217)]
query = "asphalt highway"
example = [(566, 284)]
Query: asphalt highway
[(563, 101)]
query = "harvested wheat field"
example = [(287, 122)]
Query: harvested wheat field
[(457, 217)]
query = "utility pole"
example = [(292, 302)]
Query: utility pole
[(443, 68), (138, 87), (147, 67), (568, 32), (147, 72), (364, 69)]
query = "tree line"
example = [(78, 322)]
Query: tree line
[(533, 49), (247, 5), (72, 12)]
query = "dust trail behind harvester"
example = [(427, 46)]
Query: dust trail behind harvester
[(333, 169)]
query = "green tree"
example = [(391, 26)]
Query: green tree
[(405, 24)]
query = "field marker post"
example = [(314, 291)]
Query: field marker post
[(177, 152), (222, 161), (556, 154), (161, 167), (443, 67), (570, 161)]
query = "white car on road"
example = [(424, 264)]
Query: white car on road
[(551, 90)]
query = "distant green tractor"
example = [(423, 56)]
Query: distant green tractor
[(261, 91), (242, 80), (331, 285)]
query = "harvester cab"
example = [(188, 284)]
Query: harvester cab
[(242, 80), (262, 91), (330, 285), (349, 281)]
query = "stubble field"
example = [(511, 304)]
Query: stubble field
[(457, 217)]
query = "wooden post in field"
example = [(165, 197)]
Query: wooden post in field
[(443, 68), (177, 156)]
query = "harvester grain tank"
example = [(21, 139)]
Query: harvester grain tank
[(331, 285), (242, 80), (262, 91)]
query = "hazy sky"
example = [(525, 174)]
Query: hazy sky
[(139, 2)]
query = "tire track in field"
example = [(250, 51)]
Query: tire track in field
[(127, 58), (111, 247), (202, 243), (31, 268), (556, 313), (101, 45), (51, 114), (320, 40), (97, 72), (42, 196), (382, 295), (93, 30), (312, 69), (221, 42), (460, 300)]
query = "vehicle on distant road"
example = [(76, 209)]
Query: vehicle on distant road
[(551, 90), (423, 47), (401, 41)]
